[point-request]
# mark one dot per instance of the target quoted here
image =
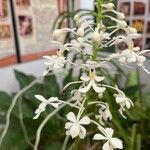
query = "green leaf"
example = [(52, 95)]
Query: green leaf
[(132, 79), (14, 140), (5, 101), (23, 79), (53, 146), (50, 86)]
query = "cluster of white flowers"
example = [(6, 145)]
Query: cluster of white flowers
[(100, 36)]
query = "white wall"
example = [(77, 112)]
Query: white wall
[(7, 79)]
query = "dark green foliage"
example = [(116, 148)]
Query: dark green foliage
[(134, 131)]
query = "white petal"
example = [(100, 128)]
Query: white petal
[(85, 78), (53, 99), (68, 125), (71, 117), (109, 132), (37, 111), (37, 116), (136, 49), (121, 113), (119, 99), (74, 130), (41, 98), (85, 89), (98, 79), (42, 106), (55, 104), (128, 104), (99, 137), (96, 88), (106, 146), (82, 132), (117, 143), (48, 57), (85, 120)]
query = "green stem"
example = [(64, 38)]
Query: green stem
[(140, 90), (98, 22), (76, 145)]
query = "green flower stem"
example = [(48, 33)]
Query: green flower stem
[(99, 18), (76, 145), (140, 90)]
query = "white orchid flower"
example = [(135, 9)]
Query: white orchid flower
[(74, 127), (112, 142), (54, 62), (44, 102), (123, 101), (92, 78), (104, 114), (77, 97)]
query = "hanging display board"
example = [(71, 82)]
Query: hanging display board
[(138, 15)]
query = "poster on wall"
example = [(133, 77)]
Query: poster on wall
[(137, 13), (7, 47), (34, 22)]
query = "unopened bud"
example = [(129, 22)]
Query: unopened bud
[(108, 6), (76, 17), (121, 16), (57, 33), (132, 30), (122, 24), (96, 36), (80, 31)]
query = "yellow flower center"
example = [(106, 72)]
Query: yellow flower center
[(92, 74), (131, 46), (59, 53)]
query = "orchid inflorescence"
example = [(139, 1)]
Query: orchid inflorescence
[(88, 46)]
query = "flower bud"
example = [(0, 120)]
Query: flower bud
[(108, 6), (57, 33), (76, 17), (132, 30), (121, 15), (122, 23), (79, 22), (80, 31), (96, 36)]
